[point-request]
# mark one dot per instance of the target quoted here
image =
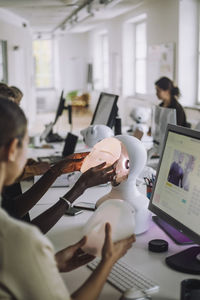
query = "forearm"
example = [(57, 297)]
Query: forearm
[(27, 200), (50, 217), (91, 289)]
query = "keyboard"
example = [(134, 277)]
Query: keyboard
[(124, 277)]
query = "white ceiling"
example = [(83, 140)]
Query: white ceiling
[(48, 15)]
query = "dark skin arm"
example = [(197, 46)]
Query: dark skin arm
[(94, 176), (24, 202)]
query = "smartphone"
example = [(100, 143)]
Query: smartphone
[(73, 211), (86, 205)]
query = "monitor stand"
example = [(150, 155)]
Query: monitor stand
[(187, 261), (178, 237), (53, 137)]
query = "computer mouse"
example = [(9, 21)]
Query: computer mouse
[(133, 294)]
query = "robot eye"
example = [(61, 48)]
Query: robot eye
[(127, 164)]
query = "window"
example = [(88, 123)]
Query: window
[(3, 62), (134, 56), (101, 61), (105, 61), (43, 59), (140, 58)]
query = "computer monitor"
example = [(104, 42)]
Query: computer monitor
[(60, 108), (48, 134), (176, 193), (106, 110)]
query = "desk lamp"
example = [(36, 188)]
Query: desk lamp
[(132, 159)]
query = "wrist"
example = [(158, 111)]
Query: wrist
[(107, 262), (109, 258), (66, 201)]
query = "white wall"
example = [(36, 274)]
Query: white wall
[(72, 59), (20, 63), (188, 50)]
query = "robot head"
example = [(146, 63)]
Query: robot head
[(121, 217), (95, 133), (129, 152)]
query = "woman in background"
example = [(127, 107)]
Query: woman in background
[(169, 94)]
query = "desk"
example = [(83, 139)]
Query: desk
[(68, 231)]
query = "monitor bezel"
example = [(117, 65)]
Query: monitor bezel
[(153, 208), (113, 112), (60, 107)]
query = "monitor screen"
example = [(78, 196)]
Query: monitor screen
[(106, 110), (175, 197), (60, 108)]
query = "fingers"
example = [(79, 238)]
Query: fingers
[(111, 167), (80, 244), (115, 163), (99, 166), (108, 233), (83, 259), (108, 175), (126, 243), (129, 240)]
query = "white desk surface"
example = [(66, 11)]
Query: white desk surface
[(68, 231)]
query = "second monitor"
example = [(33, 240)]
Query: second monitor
[(106, 110)]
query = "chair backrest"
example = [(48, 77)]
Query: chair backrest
[(161, 118), (197, 127)]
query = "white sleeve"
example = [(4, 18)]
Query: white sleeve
[(37, 276)]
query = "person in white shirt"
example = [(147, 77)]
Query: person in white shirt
[(28, 267)]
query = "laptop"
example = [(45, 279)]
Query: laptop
[(69, 147)]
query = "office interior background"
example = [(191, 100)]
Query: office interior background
[(91, 46)]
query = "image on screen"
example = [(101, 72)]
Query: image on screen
[(181, 169), (177, 187), (105, 111)]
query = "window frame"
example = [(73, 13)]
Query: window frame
[(98, 61)]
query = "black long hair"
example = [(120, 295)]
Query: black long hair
[(13, 122), (165, 84)]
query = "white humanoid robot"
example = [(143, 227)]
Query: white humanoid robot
[(95, 133), (141, 116), (132, 159)]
